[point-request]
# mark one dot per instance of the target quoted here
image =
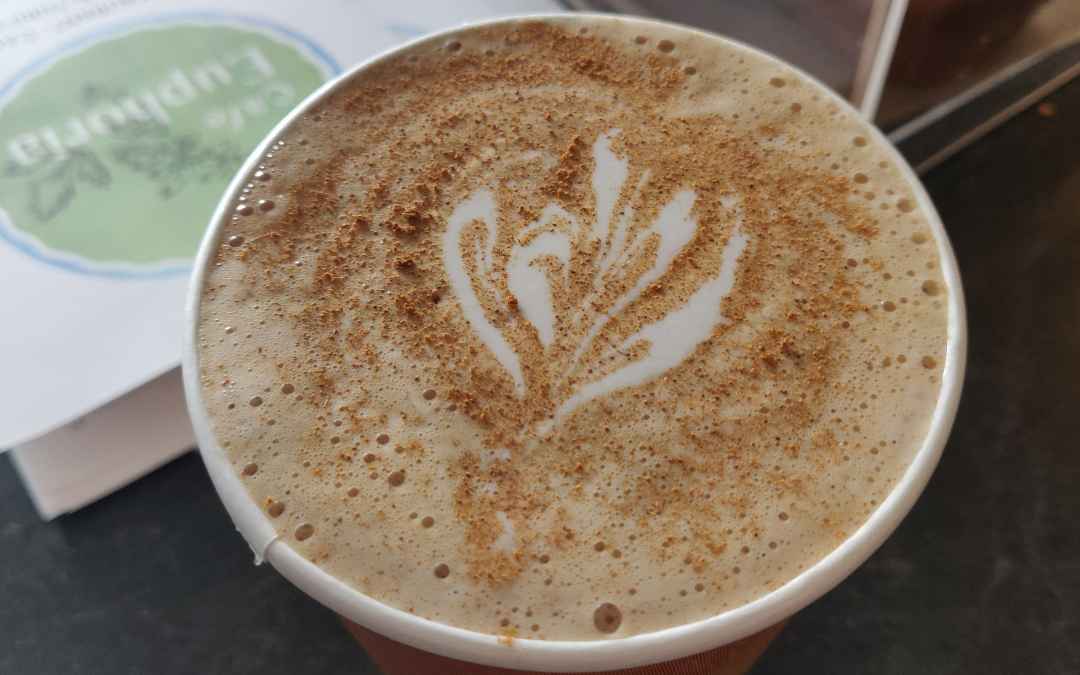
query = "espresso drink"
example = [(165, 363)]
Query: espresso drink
[(569, 331)]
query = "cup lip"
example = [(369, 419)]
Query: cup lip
[(586, 655)]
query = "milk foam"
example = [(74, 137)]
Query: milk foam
[(561, 335), (479, 206)]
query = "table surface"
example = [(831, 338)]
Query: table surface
[(982, 577)]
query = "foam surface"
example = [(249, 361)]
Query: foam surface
[(538, 326)]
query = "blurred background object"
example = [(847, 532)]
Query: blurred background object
[(947, 46), (945, 39)]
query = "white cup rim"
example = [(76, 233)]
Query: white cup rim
[(573, 656)]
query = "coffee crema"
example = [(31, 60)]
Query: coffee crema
[(564, 330)]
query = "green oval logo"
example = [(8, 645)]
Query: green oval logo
[(113, 158)]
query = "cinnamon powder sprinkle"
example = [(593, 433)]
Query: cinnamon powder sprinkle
[(756, 436)]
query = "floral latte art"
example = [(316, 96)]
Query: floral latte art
[(556, 256)]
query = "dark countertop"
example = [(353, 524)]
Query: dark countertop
[(982, 577)]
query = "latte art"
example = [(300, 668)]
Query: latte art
[(542, 263), (558, 330)]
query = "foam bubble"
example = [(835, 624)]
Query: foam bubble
[(607, 618)]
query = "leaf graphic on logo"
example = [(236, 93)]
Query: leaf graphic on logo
[(15, 170), (624, 264), (89, 169), (52, 187), (173, 161), (50, 194)]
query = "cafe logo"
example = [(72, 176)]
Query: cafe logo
[(113, 157)]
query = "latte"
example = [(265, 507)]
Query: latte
[(569, 330)]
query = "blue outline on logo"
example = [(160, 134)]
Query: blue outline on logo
[(71, 262)]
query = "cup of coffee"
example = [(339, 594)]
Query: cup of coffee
[(572, 343)]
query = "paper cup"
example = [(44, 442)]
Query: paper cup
[(727, 643)]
